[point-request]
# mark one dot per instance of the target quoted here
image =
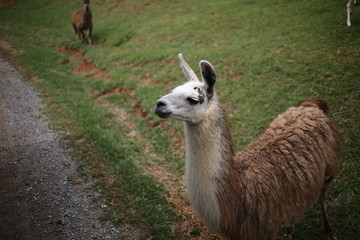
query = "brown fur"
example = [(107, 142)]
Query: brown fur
[(277, 178), (81, 21)]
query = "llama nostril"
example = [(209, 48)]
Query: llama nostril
[(161, 110), (160, 103)]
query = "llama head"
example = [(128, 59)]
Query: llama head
[(190, 101)]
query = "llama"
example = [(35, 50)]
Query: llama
[(82, 21), (272, 181), (349, 7)]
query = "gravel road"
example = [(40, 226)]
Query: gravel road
[(42, 196)]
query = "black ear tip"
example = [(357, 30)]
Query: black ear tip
[(209, 76), (207, 69), (205, 64)]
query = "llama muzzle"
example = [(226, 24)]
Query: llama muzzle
[(161, 109)]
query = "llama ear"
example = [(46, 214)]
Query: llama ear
[(209, 76), (189, 73)]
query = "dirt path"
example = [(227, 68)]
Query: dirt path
[(42, 196)]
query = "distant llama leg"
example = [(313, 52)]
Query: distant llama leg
[(89, 35), (77, 33), (349, 7)]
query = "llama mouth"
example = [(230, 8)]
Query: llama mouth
[(161, 113), (164, 115)]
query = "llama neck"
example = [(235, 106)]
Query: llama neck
[(87, 15), (209, 159), (86, 8)]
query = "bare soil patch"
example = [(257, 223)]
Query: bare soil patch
[(123, 90), (7, 3), (100, 74), (85, 67)]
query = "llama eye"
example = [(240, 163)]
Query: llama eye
[(192, 101)]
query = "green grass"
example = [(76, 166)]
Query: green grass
[(269, 55)]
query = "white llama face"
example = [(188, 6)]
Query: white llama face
[(185, 102), (189, 102)]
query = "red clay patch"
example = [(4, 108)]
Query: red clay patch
[(8, 2), (78, 52), (75, 51), (147, 79), (61, 49), (171, 62), (136, 10), (101, 74), (158, 124), (119, 89), (139, 112), (84, 68), (236, 76)]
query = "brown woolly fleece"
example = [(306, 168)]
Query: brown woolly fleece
[(277, 178)]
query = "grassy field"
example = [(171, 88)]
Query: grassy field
[(269, 55)]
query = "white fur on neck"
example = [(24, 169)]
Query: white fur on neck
[(202, 169)]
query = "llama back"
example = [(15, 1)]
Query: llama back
[(77, 18), (284, 171), (305, 130)]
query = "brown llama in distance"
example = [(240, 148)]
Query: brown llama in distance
[(82, 21), (272, 181)]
